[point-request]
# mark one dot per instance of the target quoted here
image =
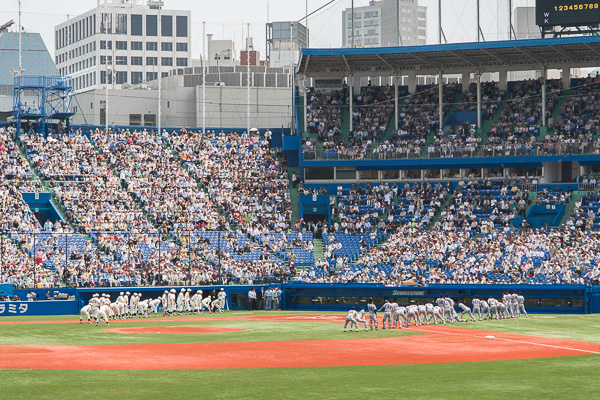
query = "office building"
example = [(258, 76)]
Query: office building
[(119, 42), (385, 23)]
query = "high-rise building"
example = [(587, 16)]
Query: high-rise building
[(385, 23), (122, 38), (285, 40), (525, 23)]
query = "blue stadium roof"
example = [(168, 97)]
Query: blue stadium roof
[(511, 55)]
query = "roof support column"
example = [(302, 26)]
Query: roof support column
[(441, 98), (478, 78), (503, 81), (466, 81), (566, 78), (543, 95), (305, 106), (351, 95), (412, 82), (395, 82)]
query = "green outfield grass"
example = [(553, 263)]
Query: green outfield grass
[(573, 377)]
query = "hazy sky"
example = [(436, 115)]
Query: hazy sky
[(225, 18)]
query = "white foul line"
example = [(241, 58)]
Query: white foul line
[(517, 341)]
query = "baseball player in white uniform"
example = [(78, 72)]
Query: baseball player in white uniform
[(372, 308), (351, 317), (180, 301), (85, 312), (205, 304), (133, 305), (165, 302), (400, 317), (153, 304), (95, 303), (171, 305), (126, 300), (103, 314), (186, 301), (360, 319), (142, 308), (222, 296)]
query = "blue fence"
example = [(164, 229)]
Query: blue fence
[(566, 299)]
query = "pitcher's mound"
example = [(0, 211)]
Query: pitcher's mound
[(174, 330)]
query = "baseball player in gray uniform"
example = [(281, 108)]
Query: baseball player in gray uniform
[(521, 302), (412, 314), (421, 312), (438, 313), (400, 313), (492, 303), (485, 309), (372, 308), (429, 313), (450, 310), (476, 303), (464, 310), (387, 314), (514, 303)]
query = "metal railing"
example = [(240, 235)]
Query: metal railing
[(486, 150)]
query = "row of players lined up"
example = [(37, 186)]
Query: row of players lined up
[(512, 305), (125, 307)]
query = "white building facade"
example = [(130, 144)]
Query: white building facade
[(120, 42), (385, 23)]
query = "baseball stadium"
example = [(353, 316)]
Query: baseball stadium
[(423, 225)]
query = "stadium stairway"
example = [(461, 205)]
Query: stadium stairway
[(345, 130), (389, 132), (36, 173), (318, 249), (436, 217), (294, 195), (571, 206), (565, 94)]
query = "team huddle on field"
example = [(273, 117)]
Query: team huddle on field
[(512, 305), (127, 305)]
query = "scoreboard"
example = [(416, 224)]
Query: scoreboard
[(567, 13)]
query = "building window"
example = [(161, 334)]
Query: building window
[(121, 60), (149, 119), (151, 60), (182, 62), (150, 76), (121, 24), (135, 119), (105, 59), (105, 23), (136, 25), (121, 45), (182, 28), (166, 62), (136, 61), (182, 47), (152, 46), (136, 46), (166, 22), (136, 77), (166, 46), (103, 78), (121, 77), (151, 25), (105, 45)]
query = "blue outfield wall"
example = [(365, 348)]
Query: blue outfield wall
[(566, 299)]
